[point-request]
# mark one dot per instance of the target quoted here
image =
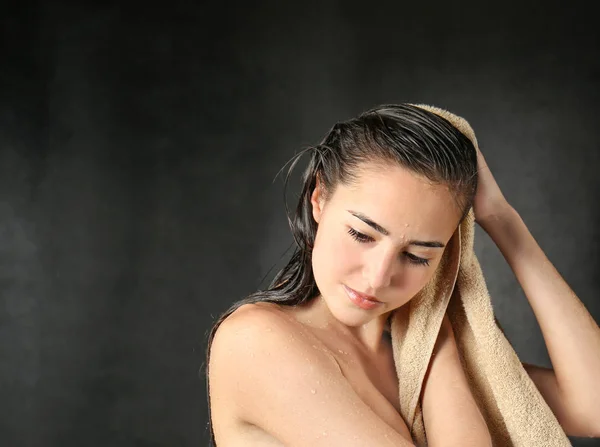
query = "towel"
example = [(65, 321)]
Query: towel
[(515, 412)]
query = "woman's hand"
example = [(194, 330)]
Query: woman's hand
[(489, 200)]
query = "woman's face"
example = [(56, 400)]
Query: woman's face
[(379, 259)]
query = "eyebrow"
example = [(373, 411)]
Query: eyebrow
[(380, 229)]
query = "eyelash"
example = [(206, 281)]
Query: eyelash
[(363, 238)]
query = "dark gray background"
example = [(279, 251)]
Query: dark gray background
[(138, 148)]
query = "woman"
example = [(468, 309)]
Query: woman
[(309, 360)]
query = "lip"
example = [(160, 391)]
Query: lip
[(361, 300)]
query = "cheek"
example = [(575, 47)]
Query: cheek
[(419, 277), (334, 255), (347, 254)]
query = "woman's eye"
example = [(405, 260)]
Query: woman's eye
[(416, 260), (363, 238), (360, 237)]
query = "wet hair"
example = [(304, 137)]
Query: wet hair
[(409, 136)]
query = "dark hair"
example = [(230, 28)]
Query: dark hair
[(416, 139)]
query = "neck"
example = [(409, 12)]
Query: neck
[(371, 336)]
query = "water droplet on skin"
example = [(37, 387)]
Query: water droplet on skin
[(313, 391), (324, 433)]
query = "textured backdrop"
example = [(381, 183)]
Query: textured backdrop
[(138, 149)]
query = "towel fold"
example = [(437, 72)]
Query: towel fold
[(514, 410)]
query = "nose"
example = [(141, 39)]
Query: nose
[(379, 270)]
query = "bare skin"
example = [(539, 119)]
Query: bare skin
[(373, 378), (408, 208), (386, 266)]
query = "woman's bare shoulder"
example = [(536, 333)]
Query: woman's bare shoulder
[(261, 309), (260, 305), (263, 350), (269, 315)]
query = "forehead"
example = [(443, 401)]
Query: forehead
[(401, 201)]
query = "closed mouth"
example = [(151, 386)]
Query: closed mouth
[(364, 296)]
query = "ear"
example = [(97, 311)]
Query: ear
[(317, 201)]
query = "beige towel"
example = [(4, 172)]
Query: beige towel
[(515, 412)]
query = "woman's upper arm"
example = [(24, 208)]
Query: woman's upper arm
[(450, 413), (293, 391)]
